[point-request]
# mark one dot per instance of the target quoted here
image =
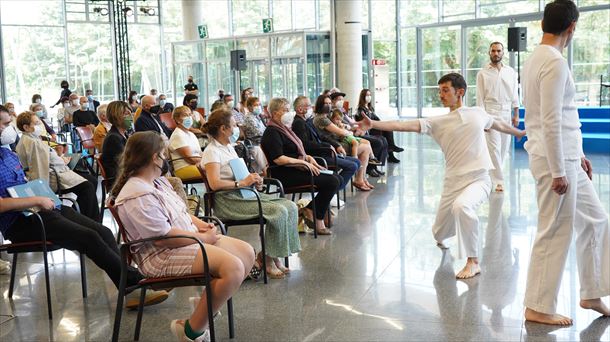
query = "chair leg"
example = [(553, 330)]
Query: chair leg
[(313, 208), (136, 335), (286, 262), (231, 320), (338, 200), (103, 204), (344, 195), (83, 275), (119, 311), (264, 252), (208, 294), (48, 284), (13, 271)]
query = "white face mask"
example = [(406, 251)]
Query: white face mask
[(309, 113), (368, 98), (288, 118), (75, 102), (8, 136), (339, 104), (230, 104), (84, 106), (234, 135), (38, 130), (37, 100)]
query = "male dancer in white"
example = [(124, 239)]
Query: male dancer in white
[(497, 93), (461, 137), (567, 201)]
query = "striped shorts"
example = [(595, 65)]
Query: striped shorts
[(159, 262)]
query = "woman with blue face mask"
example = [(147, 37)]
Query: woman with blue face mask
[(254, 127), (184, 147), (281, 215), (39, 110)]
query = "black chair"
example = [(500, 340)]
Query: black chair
[(201, 279), (43, 246), (259, 220)]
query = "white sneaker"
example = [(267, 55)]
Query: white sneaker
[(5, 267), (333, 202), (177, 327)]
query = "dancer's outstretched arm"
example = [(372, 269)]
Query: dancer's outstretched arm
[(395, 125), (504, 127)]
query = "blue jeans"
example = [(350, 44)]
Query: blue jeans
[(349, 166)]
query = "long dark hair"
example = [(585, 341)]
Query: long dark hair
[(362, 101), (138, 153), (320, 104)]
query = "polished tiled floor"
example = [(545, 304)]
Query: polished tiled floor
[(379, 278)]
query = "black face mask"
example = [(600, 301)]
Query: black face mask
[(193, 105), (326, 109), (165, 167), (190, 81)]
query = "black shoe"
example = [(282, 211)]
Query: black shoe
[(392, 159), (374, 161), (396, 149), (372, 173), (381, 173)]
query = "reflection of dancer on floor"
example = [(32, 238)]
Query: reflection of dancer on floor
[(461, 136), (500, 271), (456, 310), (567, 201)]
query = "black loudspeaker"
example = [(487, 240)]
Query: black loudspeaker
[(238, 60), (517, 39)]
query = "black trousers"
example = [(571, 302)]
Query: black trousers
[(388, 135), (86, 197), (71, 230), (326, 185), (379, 145)]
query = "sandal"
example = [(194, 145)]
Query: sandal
[(324, 231), (361, 187), (273, 275), (308, 222)]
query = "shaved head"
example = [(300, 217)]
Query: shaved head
[(148, 102)]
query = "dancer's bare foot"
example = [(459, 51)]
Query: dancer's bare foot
[(470, 270), (499, 188), (553, 319), (596, 305), (280, 265)]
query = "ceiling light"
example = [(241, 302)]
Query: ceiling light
[(101, 11), (148, 11), (128, 11)]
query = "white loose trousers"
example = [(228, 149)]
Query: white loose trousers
[(579, 210), (498, 143), (457, 210)]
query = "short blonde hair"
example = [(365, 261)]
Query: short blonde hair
[(33, 106), (277, 103), (179, 112)]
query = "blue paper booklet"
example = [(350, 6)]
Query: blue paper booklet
[(33, 188), (240, 171)]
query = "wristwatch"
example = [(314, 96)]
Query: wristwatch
[(236, 184)]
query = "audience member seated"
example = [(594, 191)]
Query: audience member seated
[(184, 147), (37, 99), (149, 207), (42, 162), (85, 116), (347, 166), (329, 131), (191, 101), (163, 106), (365, 108), (284, 149), (378, 143), (120, 117), (102, 128), (148, 121), (38, 109), (93, 103), (245, 95), (133, 101), (10, 137), (64, 226), (253, 127), (281, 214), (237, 115), (73, 106)]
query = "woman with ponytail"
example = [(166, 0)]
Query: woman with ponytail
[(149, 207)]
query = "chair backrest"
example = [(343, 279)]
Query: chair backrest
[(86, 137), (122, 232), (201, 111), (209, 193), (167, 119)]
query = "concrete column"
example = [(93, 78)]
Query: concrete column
[(348, 17), (192, 16)]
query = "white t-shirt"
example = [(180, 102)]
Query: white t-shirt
[(178, 139), (217, 153), (461, 137), (551, 116)]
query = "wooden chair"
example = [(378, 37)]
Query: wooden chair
[(168, 120), (259, 220), (200, 279), (43, 246)]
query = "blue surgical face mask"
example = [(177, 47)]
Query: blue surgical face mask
[(162, 103), (39, 113), (187, 122), (235, 135), (257, 110), (90, 98)]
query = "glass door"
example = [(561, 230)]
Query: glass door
[(257, 77), (287, 76)]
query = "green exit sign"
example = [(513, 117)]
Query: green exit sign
[(203, 31), (267, 25)]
